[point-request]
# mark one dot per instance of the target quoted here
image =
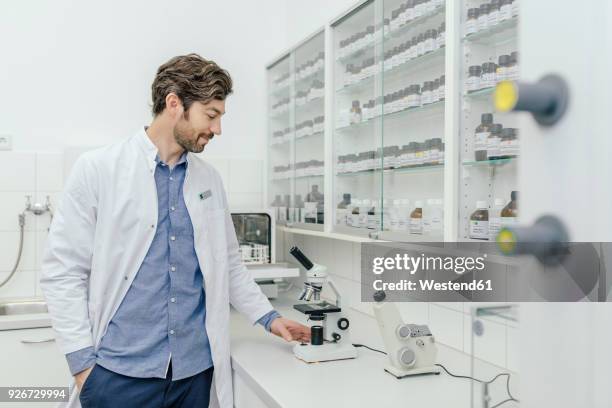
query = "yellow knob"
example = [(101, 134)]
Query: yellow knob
[(506, 241), (506, 96)]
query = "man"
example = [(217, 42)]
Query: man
[(142, 259)]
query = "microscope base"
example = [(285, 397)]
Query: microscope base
[(325, 352), (401, 373)]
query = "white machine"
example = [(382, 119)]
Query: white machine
[(330, 339), (411, 348), (256, 234)]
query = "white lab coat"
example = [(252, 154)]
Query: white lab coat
[(102, 232)]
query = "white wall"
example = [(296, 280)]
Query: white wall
[(79, 72), (306, 17)]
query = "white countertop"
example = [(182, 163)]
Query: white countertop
[(25, 321), (280, 380)]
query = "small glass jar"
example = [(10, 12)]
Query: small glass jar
[(473, 81), (483, 16), (471, 24)]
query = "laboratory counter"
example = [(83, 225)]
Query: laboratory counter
[(266, 373)]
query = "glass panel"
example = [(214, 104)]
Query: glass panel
[(280, 139), (495, 350), (413, 121), (309, 126), (489, 141), (358, 107)]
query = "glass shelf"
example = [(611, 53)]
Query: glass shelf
[(320, 100), (493, 162), (282, 91), (310, 136), (398, 32), (394, 170), (506, 312), (401, 113), (481, 93), (304, 80), (394, 72), (500, 33)]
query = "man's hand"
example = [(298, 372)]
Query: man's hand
[(81, 377), (290, 330)]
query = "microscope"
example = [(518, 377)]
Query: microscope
[(411, 348), (329, 331)]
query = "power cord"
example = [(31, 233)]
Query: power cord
[(487, 382), (369, 348), (508, 375)]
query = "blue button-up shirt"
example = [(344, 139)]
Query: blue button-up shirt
[(162, 316)]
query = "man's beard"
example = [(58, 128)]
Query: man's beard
[(191, 145)]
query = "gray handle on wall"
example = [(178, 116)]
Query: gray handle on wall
[(37, 341)]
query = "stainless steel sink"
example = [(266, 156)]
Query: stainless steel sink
[(23, 307)]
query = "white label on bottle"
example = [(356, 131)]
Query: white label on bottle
[(493, 147), (471, 26), (483, 21), (282, 213), (493, 18), (473, 83), (505, 12), (509, 148), (507, 221), (479, 229), (372, 221), (416, 225), (494, 226), (362, 221), (480, 140), (341, 216), (435, 224)]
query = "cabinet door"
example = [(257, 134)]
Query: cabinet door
[(489, 140), (281, 164), (309, 97), (357, 127), (414, 98), (31, 357)]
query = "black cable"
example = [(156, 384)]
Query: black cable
[(369, 348), (464, 376), (487, 382)]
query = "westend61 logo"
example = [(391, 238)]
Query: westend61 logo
[(412, 265)]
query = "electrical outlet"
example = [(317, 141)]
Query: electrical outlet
[(6, 142)]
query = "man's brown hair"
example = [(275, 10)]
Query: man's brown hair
[(193, 79)]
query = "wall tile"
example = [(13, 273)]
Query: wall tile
[(22, 284), (49, 171), (11, 205), (491, 345), (341, 258), (9, 243), (245, 201), (245, 176), (512, 348), (446, 325), (43, 221), (357, 262), (414, 312), (222, 165), (18, 171)]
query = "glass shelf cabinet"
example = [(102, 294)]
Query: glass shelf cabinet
[(296, 121), (410, 156), (388, 134), (489, 141)]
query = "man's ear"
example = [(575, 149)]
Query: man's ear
[(174, 105)]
